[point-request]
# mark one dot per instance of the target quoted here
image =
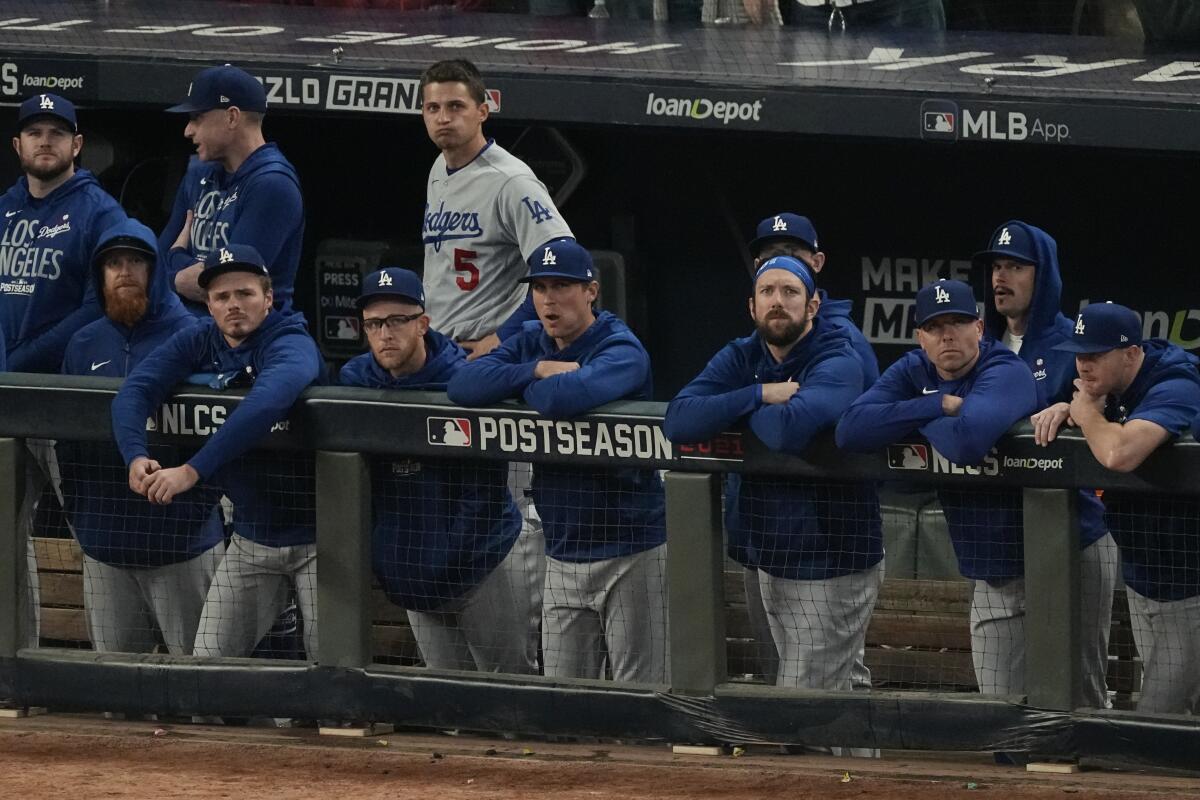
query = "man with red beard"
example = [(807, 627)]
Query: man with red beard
[(145, 567)]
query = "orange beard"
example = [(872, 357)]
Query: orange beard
[(125, 305)]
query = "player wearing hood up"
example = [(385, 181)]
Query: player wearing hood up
[(817, 546), (1133, 396), (238, 188), (144, 566), (1022, 312)]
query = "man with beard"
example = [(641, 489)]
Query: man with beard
[(447, 543), (238, 188), (605, 589), (1022, 313), (817, 545), (144, 567), (1132, 397), (50, 220), (962, 392), (244, 342)]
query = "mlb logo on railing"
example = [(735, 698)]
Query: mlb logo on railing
[(493, 100), (908, 456), (448, 431)]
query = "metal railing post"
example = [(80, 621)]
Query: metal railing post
[(695, 582), (343, 559), (12, 546), (1052, 623)]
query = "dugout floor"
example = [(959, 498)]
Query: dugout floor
[(60, 755)]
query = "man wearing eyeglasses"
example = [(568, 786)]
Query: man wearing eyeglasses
[(447, 544)]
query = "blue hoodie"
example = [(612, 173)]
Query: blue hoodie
[(112, 524), (46, 291), (273, 493), (441, 526), (1054, 370), (588, 514), (837, 312), (790, 528), (985, 524), (1159, 535), (259, 205)]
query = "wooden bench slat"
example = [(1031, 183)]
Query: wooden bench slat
[(58, 555), (64, 625), (923, 632), (60, 589)]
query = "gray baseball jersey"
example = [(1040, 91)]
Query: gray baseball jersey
[(481, 222)]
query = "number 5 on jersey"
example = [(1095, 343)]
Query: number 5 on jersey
[(464, 263)]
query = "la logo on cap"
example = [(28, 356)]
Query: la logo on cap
[(779, 225), (226, 256), (47, 103), (1079, 326), (941, 295), (548, 258), (385, 279), (1005, 237)]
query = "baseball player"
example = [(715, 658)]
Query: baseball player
[(144, 567), (237, 188), (446, 544), (485, 214), (604, 593), (788, 234), (817, 546), (244, 342), (1133, 396), (1022, 313), (52, 217), (962, 392)]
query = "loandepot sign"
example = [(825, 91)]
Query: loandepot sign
[(702, 108)]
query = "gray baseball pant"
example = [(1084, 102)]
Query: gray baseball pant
[(998, 627), (124, 605), (249, 591), (40, 470), (820, 626), (1167, 634), (615, 608), (494, 626)]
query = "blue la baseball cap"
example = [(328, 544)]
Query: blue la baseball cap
[(1010, 240), (392, 282), (223, 87), (1101, 327), (47, 105), (945, 297), (232, 258), (785, 226), (561, 258), (792, 265)]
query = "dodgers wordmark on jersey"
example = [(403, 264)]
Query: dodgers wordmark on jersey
[(481, 222)]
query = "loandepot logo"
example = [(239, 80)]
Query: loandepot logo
[(702, 108)]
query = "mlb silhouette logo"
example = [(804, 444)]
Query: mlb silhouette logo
[(939, 120), (493, 99), (448, 431), (908, 456)]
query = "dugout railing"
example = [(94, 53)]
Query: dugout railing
[(346, 426)]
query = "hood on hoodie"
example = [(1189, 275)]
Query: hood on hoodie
[(1045, 312), (160, 295)]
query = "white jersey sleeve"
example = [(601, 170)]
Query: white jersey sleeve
[(480, 223)]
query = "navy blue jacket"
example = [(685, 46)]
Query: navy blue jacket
[(441, 526), (258, 205), (1054, 370), (46, 290), (837, 312), (1159, 535), (985, 525), (273, 494), (803, 530), (588, 514), (112, 524)]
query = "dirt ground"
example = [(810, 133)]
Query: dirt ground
[(89, 757)]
